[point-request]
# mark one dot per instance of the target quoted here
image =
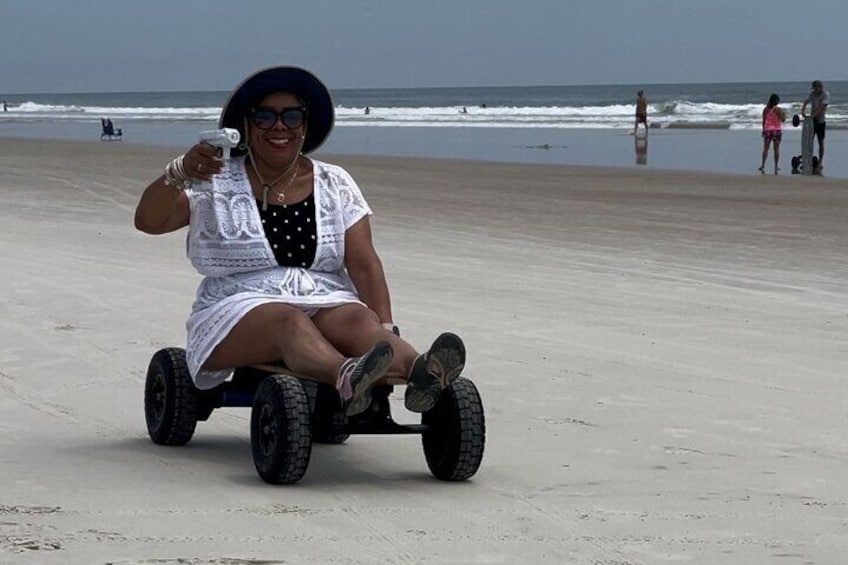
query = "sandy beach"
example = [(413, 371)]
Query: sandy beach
[(662, 358)]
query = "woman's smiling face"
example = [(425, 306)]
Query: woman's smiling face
[(278, 146)]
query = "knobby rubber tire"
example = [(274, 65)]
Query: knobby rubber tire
[(327, 431), (456, 432), (280, 434), (170, 398)]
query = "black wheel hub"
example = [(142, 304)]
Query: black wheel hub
[(157, 395), (267, 431)]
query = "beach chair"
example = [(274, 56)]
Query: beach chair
[(108, 132)]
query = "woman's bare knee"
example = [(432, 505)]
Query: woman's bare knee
[(351, 328), (261, 336)]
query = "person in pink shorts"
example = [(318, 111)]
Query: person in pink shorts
[(773, 118)]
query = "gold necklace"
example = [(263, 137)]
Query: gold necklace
[(281, 195), (267, 186)]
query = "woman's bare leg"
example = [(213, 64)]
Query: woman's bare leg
[(274, 332), (765, 155), (353, 329), (776, 156)]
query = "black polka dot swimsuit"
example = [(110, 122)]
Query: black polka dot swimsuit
[(291, 231)]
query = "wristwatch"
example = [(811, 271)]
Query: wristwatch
[(392, 328)]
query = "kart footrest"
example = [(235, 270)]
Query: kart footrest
[(237, 398), (388, 426)]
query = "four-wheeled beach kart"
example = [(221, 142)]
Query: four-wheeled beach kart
[(806, 163), (291, 412)]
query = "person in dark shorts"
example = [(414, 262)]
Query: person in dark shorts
[(818, 99), (641, 111)]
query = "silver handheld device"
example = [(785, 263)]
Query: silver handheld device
[(225, 138)]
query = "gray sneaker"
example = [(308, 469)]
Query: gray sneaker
[(433, 372), (360, 374)]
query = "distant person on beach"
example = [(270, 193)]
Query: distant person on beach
[(5, 107), (773, 118), (108, 129), (284, 243), (641, 111), (818, 99)]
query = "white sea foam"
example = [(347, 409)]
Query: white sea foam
[(34, 110), (680, 113)]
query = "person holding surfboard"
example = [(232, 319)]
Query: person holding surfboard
[(818, 99)]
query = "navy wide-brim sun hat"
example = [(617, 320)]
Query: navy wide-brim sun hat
[(295, 80)]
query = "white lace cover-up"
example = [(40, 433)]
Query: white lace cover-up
[(226, 243)]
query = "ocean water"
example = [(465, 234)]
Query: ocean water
[(712, 127)]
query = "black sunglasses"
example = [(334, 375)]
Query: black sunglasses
[(292, 117)]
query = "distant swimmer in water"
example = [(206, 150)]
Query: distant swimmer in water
[(367, 110), (464, 110)]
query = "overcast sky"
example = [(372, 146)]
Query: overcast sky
[(141, 45)]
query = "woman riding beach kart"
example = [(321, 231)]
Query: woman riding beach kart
[(284, 243)]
